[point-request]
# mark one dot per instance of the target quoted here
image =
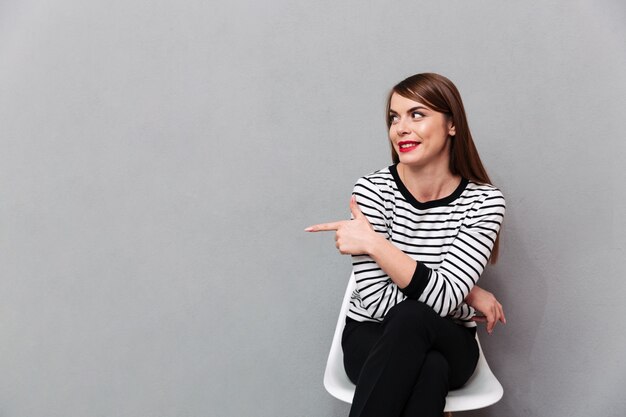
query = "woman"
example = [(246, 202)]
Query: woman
[(421, 233)]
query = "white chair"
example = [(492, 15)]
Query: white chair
[(482, 389)]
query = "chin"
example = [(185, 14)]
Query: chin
[(409, 159)]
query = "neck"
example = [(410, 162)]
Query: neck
[(428, 183)]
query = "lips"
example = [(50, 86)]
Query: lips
[(407, 145)]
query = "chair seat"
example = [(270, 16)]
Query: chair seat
[(482, 390)]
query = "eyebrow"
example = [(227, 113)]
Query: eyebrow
[(412, 109)]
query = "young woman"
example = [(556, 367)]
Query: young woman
[(421, 233)]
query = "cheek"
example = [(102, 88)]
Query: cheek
[(421, 131), (432, 132)]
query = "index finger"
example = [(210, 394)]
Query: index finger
[(502, 317), (325, 227)]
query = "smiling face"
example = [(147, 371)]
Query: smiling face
[(420, 135)]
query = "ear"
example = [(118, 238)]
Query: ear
[(452, 130)]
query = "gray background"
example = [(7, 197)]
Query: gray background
[(159, 160)]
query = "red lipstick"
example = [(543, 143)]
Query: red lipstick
[(407, 145)]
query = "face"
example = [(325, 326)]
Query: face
[(419, 134)]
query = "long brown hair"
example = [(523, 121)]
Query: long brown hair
[(441, 95)]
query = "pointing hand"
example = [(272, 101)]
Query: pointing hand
[(353, 237)]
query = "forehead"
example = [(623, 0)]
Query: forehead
[(400, 104)]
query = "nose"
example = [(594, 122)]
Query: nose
[(402, 126)]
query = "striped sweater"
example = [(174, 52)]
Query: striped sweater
[(450, 238)]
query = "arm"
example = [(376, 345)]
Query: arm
[(382, 269), (446, 287), (452, 281)]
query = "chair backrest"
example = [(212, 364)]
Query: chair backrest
[(482, 389)]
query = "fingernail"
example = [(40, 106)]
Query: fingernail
[(309, 229)]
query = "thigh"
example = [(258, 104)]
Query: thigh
[(455, 342), (357, 341)]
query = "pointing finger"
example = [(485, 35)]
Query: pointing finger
[(325, 227)]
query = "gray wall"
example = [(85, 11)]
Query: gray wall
[(159, 160)]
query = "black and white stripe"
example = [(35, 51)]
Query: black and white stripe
[(450, 238)]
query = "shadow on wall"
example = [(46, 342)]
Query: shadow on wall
[(522, 289)]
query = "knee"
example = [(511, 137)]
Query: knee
[(435, 367)]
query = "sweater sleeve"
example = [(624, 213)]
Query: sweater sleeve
[(449, 284), (377, 293)]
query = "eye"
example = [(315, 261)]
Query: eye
[(393, 118), (417, 115)]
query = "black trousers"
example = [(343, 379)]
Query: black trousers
[(405, 365)]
